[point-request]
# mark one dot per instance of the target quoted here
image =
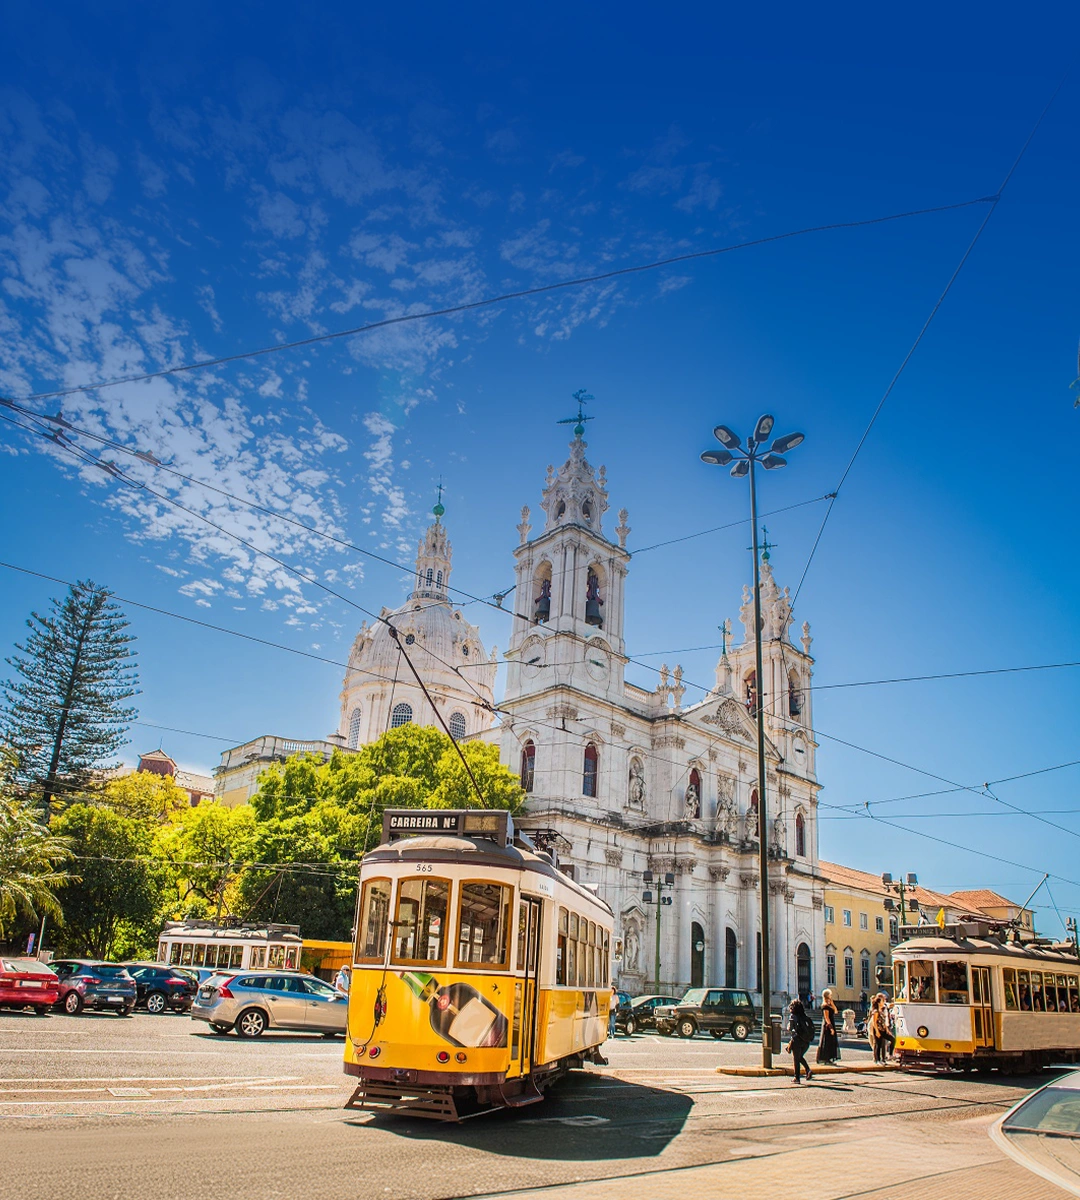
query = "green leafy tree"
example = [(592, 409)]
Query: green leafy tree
[(205, 849), (64, 713), (314, 820), (144, 796), (30, 858), (113, 909)]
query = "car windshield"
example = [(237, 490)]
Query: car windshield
[(693, 996), (26, 966), (1054, 1110)]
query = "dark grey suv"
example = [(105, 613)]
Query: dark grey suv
[(713, 1010), (88, 984)]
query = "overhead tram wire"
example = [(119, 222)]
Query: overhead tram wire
[(994, 202), (505, 297)]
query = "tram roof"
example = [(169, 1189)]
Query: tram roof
[(480, 852), (1016, 952)]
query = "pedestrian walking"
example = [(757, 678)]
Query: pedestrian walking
[(612, 1011), (343, 979), (864, 1005), (828, 1050), (802, 1032), (877, 1028)]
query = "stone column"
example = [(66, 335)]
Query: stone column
[(716, 941), (749, 926)]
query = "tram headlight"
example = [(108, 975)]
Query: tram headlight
[(922, 1031), (373, 1052), (443, 1056)]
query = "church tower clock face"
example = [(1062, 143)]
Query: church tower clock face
[(597, 661), (533, 658)]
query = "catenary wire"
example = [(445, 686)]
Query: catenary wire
[(503, 298)]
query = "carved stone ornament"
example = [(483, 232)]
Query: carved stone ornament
[(635, 797), (719, 874), (776, 887), (618, 731), (691, 804), (687, 865), (565, 711), (631, 943), (524, 528), (747, 881), (663, 743), (818, 901), (613, 857), (729, 718), (622, 530)]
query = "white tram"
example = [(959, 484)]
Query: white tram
[(972, 996), (229, 947), (481, 973)]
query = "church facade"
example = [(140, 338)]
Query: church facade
[(621, 780)]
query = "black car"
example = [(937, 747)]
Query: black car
[(160, 987), (85, 983), (643, 1010), (624, 1021), (715, 1010)]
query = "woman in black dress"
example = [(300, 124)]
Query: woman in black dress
[(828, 1050)]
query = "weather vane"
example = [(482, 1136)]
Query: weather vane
[(438, 510), (582, 397), (766, 545)]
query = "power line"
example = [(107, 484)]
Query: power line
[(501, 299), (994, 201)]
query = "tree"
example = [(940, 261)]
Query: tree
[(206, 848), (30, 855), (314, 819), (63, 713), (145, 796), (113, 909)]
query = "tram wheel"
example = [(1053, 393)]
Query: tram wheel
[(251, 1023)]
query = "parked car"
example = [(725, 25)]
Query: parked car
[(253, 1001), (85, 983), (643, 1009), (716, 1010), (159, 987), (624, 1022), (28, 983), (1042, 1132)]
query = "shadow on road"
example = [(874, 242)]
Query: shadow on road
[(582, 1119)]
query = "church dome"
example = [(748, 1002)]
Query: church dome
[(379, 691)]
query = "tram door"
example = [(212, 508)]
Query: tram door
[(982, 1007), (527, 988)]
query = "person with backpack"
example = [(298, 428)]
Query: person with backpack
[(802, 1034)]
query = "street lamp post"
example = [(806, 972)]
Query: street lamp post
[(667, 882), (747, 460)]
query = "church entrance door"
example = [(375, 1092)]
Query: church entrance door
[(697, 955), (802, 962)]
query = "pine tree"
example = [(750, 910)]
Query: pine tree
[(63, 714)]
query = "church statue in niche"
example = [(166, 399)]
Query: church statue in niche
[(727, 815), (692, 803), (631, 946), (636, 790), (542, 608), (750, 824), (779, 836), (593, 603)]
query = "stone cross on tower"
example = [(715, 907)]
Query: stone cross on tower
[(582, 397)]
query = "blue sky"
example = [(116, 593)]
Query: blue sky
[(190, 183)]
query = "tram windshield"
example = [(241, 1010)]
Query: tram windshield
[(374, 920), (953, 977), (921, 988), (484, 924), (420, 925)]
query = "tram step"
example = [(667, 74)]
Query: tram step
[(531, 1095), (404, 1101)]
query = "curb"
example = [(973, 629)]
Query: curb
[(823, 1069)]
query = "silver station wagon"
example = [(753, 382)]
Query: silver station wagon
[(252, 1002)]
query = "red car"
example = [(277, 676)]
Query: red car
[(27, 983)]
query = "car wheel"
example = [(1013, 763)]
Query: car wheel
[(251, 1023), (217, 1027), (717, 1033), (42, 1010), (155, 1003), (127, 1010), (73, 1004), (332, 1033), (631, 1026), (740, 1031), (686, 1028)]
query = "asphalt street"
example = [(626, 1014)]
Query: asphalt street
[(159, 1106)]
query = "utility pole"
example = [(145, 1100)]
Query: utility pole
[(667, 882)]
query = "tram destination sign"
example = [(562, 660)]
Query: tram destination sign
[(447, 822)]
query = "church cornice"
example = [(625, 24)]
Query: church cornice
[(587, 535)]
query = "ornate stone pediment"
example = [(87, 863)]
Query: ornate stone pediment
[(730, 718)]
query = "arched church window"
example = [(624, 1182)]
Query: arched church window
[(354, 729), (456, 725), (402, 715), (794, 693), (593, 600), (560, 510), (528, 765), (751, 693), (430, 575), (800, 835), (586, 510), (542, 593), (589, 773), (438, 579), (753, 814), (692, 800)]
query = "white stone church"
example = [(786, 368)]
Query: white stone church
[(620, 779)]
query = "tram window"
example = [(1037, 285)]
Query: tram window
[(292, 953), (174, 954), (483, 923), (1050, 992), (1038, 1004), (1074, 995), (374, 920), (574, 925), (420, 925), (1023, 987), (185, 954), (236, 956), (953, 979), (275, 956), (162, 951), (1011, 1002), (590, 961), (258, 957), (523, 926), (211, 956), (560, 949), (607, 958), (921, 981), (571, 962)]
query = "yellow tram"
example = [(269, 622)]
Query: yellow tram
[(481, 973), (973, 996)]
